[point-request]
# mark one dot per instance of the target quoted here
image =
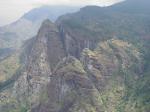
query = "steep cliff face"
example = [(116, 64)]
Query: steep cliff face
[(95, 82), (70, 89), (45, 52), (42, 56), (75, 39)]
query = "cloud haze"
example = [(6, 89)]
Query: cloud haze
[(11, 10)]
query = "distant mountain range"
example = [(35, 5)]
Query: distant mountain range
[(13, 35), (49, 12)]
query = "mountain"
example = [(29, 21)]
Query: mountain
[(133, 6), (13, 36), (26, 27), (48, 12), (93, 60)]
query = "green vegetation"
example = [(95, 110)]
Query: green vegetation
[(128, 87), (73, 65), (9, 67)]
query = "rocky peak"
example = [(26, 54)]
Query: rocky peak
[(44, 53), (47, 25)]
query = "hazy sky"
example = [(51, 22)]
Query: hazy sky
[(11, 10)]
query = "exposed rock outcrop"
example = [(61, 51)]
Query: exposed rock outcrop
[(70, 90), (45, 52), (82, 85)]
